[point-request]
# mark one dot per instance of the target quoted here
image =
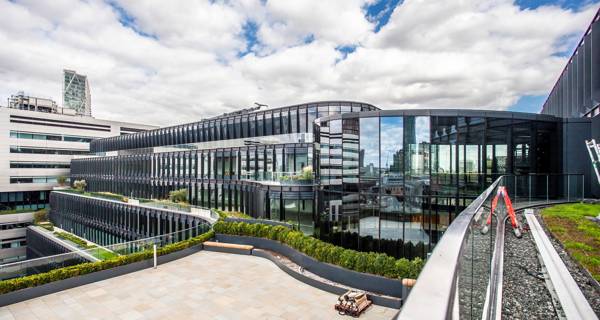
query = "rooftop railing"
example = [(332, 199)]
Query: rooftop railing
[(462, 278), (45, 264), (275, 177)]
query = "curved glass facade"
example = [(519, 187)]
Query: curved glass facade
[(236, 125), (393, 181), (264, 181), (372, 180)]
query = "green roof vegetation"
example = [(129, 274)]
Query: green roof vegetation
[(74, 239), (13, 211), (89, 267), (580, 236)]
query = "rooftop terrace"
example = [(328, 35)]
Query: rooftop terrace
[(205, 285)]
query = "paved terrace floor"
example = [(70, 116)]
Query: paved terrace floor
[(205, 285)]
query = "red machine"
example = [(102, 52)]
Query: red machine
[(502, 192)]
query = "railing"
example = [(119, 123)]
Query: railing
[(44, 264), (201, 211), (462, 278), (296, 178)]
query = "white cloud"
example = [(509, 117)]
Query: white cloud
[(472, 53)]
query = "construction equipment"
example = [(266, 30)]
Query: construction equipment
[(594, 152), (352, 303), (502, 192)]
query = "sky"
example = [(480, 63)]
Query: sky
[(171, 62)]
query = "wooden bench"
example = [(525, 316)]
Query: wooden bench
[(228, 247)]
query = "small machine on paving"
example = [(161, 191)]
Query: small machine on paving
[(352, 303)]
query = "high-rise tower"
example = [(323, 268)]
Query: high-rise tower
[(76, 93)]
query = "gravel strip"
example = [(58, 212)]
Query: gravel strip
[(524, 295), (589, 287)]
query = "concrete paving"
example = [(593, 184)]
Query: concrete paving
[(205, 285)]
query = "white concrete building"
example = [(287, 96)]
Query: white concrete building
[(36, 147), (38, 139)]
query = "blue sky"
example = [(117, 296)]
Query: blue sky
[(195, 59)]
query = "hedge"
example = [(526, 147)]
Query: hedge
[(367, 262), (89, 267), (76, 240)]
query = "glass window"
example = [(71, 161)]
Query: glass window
[(268, 124), (277, 123), (291, 207), (294, 120), (252, 124), (244, 126), (285, 122), (302, 120), (392, 184), (369, 182), (305, 216), (416, 164), (230, 129), (312, 115), (238, 128), (251, 163), (269, 163), (260, 127), (369, 153), (301, 159), (275, 209), (244, 163), (279, 161)]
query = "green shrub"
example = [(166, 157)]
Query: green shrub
[(47, 225), (374, 263), (80, 185), (40, 216), (90, 267), (180, 195), (76, 240), (61, 180)]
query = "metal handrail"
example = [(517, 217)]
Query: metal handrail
[(435, 295), (57, 257)]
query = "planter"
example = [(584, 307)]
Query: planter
[(384, 301), (358, 280), (260, 221)]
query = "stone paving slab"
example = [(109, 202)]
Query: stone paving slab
[(205, 285)]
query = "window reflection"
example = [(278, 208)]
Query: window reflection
[(369, 181)]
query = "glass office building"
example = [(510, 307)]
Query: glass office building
[(347, 172), (393, 181), (256, 161)]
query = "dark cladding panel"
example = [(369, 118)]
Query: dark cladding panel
[(580, 81), (596, 63), (565, 93), (572, 110), (587, 92)]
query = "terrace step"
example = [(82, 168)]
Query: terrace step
[(228, 247)]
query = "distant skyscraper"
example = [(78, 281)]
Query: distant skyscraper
[(76, 93)]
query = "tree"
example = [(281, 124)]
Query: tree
[(80, 185), (61, 180), (40, 216), (178, 195), (307, 173)]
